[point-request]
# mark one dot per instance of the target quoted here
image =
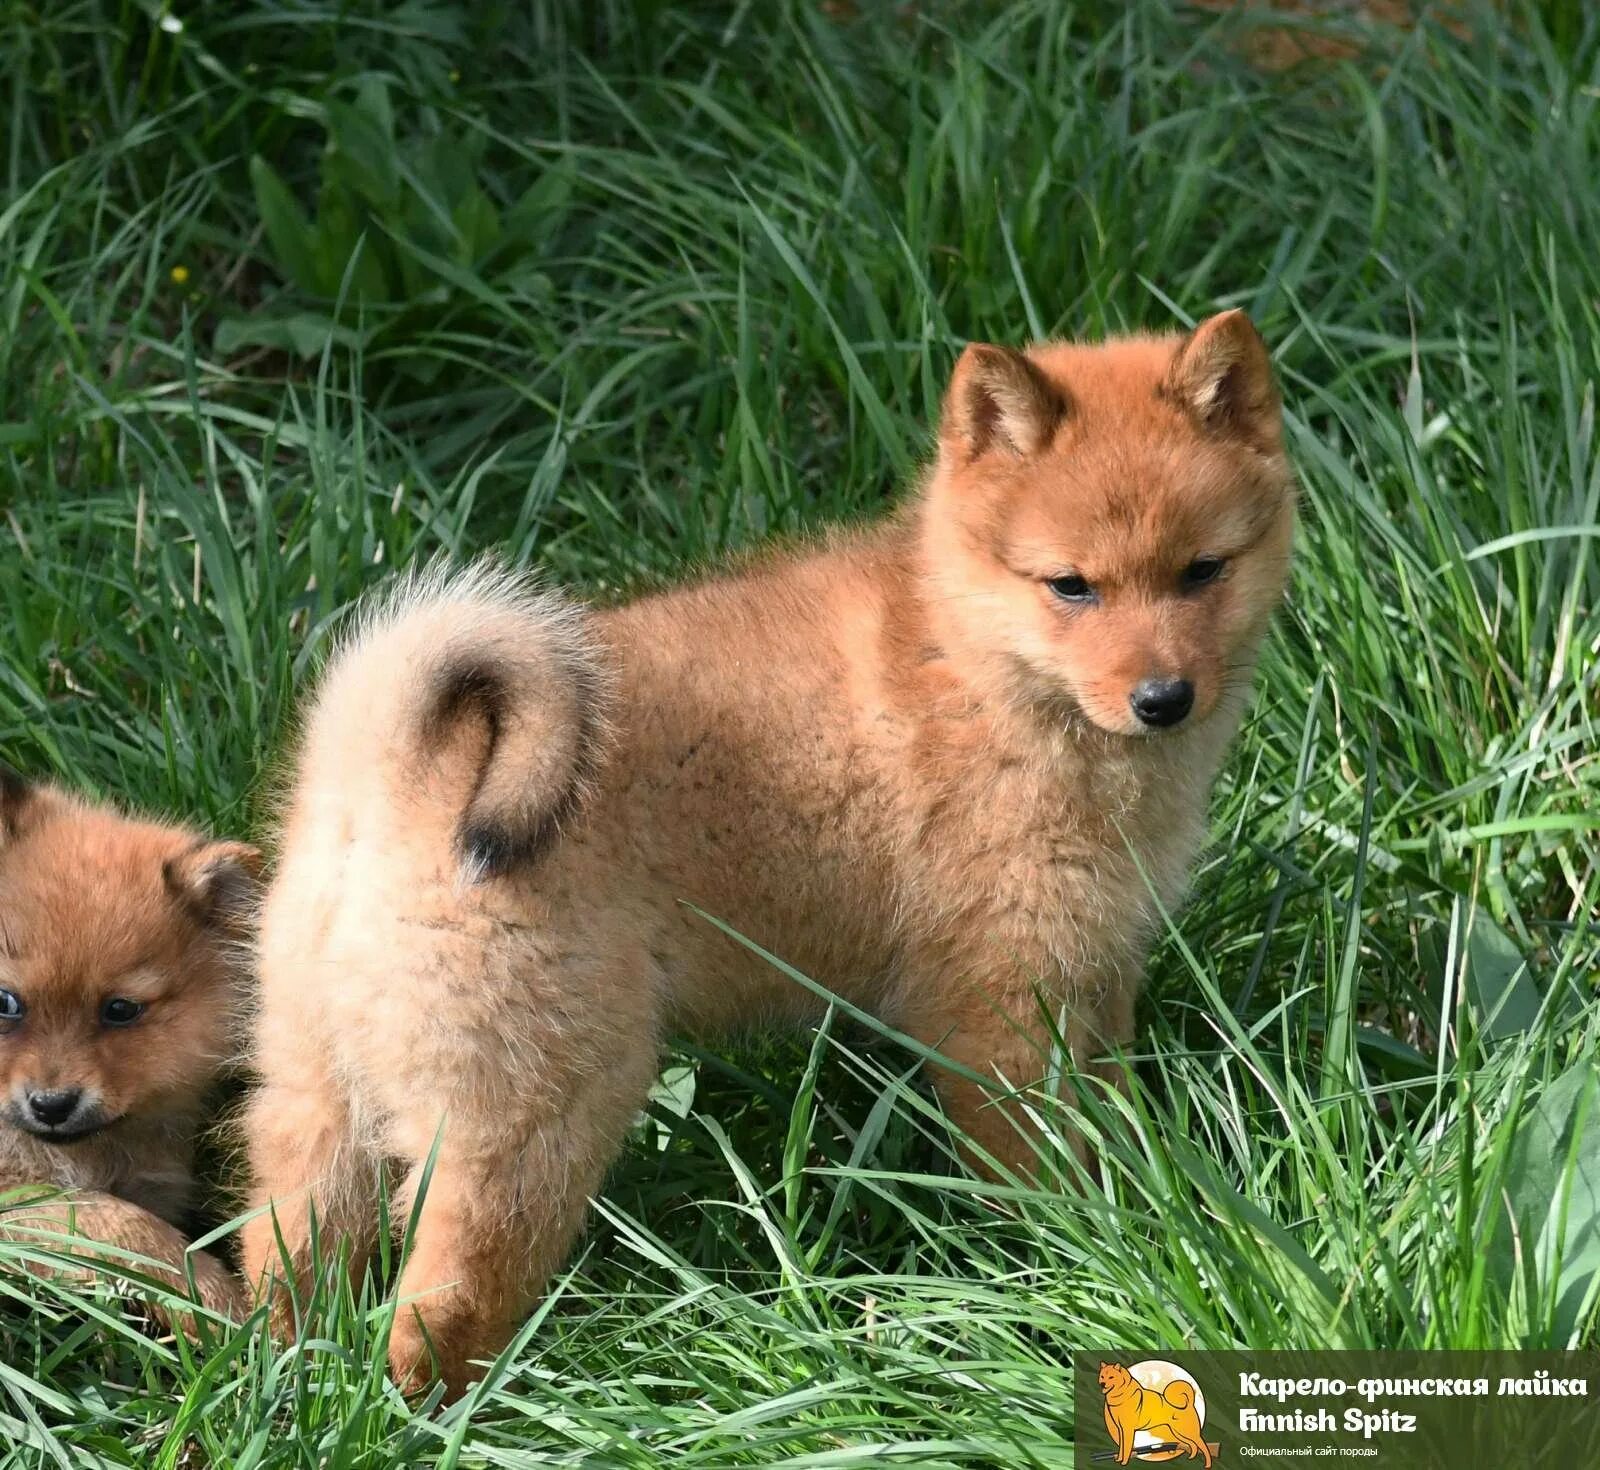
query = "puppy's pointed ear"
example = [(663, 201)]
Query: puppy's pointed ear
[(1222, 376), (999, 399), (217, 882), (18, 798)]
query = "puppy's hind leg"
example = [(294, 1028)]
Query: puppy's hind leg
[(311, 1179), (504, 1203)]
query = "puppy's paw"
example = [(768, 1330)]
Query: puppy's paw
[(417, 1364), (411, 1360), (216, 1288), (220, 1289)]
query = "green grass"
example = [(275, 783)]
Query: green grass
[(756, 238)]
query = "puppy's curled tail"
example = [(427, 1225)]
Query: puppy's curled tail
[(477, 702)]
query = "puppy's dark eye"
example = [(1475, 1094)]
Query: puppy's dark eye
[(11, 1006), (120, 1012), (1201, 570), (1071, 588)]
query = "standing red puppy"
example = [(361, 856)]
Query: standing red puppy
[(937, 765)]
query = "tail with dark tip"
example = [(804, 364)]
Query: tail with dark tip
[(469, 706)]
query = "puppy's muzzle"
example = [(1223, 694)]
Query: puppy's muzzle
[(58, 1114)]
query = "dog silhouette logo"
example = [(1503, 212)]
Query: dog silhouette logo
[(1154, 1411)]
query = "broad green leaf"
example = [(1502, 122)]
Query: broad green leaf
[(288, 232), (341, 231), (478, 223), (304, 333), (1550, 1210), (539, 212), (1494, 977), (362, 149)]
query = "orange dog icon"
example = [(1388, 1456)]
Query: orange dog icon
[(1170, 1414)]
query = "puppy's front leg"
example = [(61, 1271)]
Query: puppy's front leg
[(101, 1230), (998, 1022)]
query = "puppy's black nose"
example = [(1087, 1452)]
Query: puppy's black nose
[(54, 1108), (1162, 702)]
